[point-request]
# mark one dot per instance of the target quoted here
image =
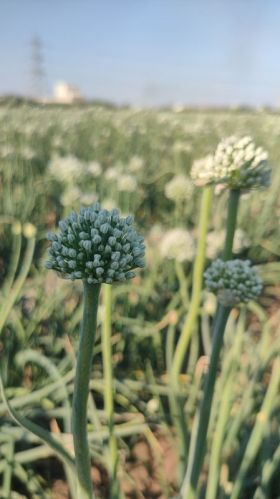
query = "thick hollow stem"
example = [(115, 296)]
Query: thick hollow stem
[(231, 222), (109, 390), (200, 427), (81, 390), (197, 285)]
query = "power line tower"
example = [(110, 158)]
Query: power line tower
[(37, 68)]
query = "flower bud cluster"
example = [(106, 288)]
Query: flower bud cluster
[(202, 171), (237, 163), (233, 281), (96, 245), (240, 164)]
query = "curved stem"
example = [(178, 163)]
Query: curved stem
[(41, 433), (10, 300), (81, 390), (15, 256), (200, 427), (30, 355), (109, 390), (231, 222), (189, 325)]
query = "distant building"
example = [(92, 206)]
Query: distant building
[(66, 94)]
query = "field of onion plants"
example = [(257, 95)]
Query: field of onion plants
[(139, 310)]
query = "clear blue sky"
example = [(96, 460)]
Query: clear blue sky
[(147, 51)]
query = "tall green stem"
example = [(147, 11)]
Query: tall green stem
[(81, 390), (233, 202), (199, 433), (176, 403), (109, 390), (189, 325)]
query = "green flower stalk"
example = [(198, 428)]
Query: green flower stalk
[(238, 165), (233, 203), (188, 328), (233, 281), (97, 246), (109, 391), (81, 389), (197, 280)]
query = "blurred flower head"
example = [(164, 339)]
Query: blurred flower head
[(111, 173), (135, 164), (177, 244), (216, 238), (70, 196), (66, 168), (127, 183), (179, 188), (94, 168)]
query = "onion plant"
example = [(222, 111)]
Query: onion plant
[(98, 247), (238, 165), (227, 445)]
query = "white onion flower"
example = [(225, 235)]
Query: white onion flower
[(241, 241), (94, 168), (127, 183), (202, 171), (111, 173), (70, 196), (237, 163), (179, 188), (177, 244), (66, 168), (135, 164), (216, 238), (214, 243)]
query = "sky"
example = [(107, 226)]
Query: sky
[(146, 52)]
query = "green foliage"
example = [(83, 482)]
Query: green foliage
[(54, 159)]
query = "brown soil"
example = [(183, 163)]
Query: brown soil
[(148, 472)]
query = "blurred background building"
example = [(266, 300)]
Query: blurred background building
[(65, 93)]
